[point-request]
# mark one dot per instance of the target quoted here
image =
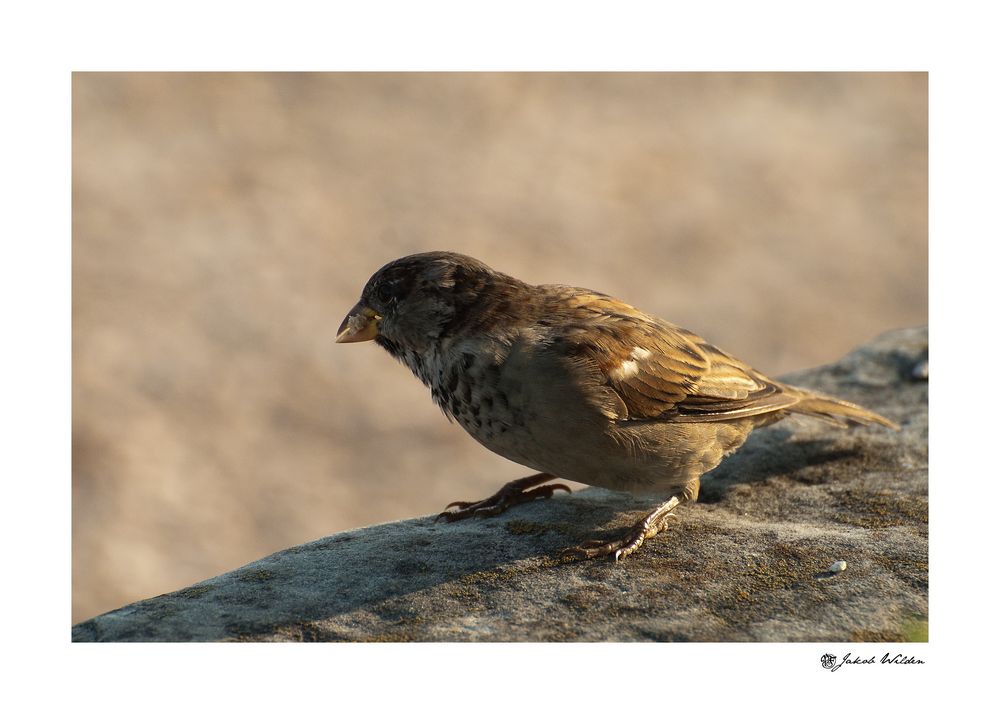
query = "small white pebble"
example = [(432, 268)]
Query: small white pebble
[(839, 567)]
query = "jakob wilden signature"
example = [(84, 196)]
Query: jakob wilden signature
[(830, 662)]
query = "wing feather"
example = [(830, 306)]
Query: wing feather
[(659, 370)]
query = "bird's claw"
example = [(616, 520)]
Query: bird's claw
[(510, 495), (620, 547)]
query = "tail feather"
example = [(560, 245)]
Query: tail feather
[(836, 411)]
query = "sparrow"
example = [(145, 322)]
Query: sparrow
[(574, 384)]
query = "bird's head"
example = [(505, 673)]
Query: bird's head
[(411, 302)]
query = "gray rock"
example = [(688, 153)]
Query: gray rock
[(750, 561)]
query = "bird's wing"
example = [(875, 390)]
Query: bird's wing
[(659, 370)]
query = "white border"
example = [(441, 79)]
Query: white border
[(46, 41)]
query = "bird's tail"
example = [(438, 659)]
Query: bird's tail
[(836, 411)]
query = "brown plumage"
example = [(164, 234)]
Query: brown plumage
[(573, 383)]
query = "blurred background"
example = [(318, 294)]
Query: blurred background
[(223, 224)]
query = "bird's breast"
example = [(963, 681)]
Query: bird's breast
[(467, 385)]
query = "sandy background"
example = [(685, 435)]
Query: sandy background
[(223, 225)]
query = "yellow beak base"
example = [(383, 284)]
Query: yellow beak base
[(360, 325)]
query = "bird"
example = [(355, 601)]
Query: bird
[(574, 384)]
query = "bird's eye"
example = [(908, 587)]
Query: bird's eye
[(384, 292)]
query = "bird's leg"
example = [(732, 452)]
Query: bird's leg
[(642, 531), (515, 492)]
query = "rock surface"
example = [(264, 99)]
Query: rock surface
[(751, 561)]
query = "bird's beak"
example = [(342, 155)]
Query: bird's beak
[(360, 325)]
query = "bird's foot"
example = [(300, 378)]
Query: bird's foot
[(515, 492), (635, 537)]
